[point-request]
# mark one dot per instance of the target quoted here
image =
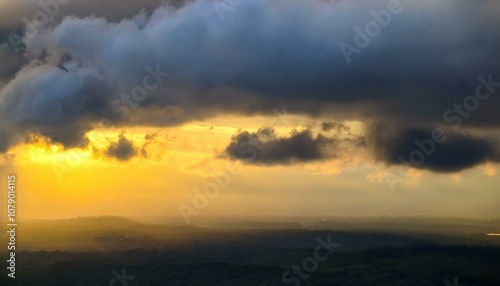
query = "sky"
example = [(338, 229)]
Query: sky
[(251, 108)]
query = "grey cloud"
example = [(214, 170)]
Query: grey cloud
[(52, 102), (13, 12), (7, 139), (264, 54), (10, 63), (417, 147), (122, 150), (264, 147)]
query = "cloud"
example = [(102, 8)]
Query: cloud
[(264, 54), (15, 13), (338, 127), (416, 147), (264, 147), (122, 150), (11, 62), (52, 102)]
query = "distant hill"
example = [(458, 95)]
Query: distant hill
[(105, 233)]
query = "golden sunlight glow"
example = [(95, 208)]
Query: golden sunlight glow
[(170, 162), (192, 148)]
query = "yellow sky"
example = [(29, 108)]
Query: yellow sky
[(54, 183)]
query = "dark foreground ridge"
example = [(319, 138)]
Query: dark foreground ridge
[(101, 251)]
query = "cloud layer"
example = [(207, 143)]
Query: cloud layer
[(264, 147), (438, 150), (425, 61)]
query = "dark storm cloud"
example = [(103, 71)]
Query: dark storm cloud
[(7, 140), (10, 62), (264, 147), (436, 150), (263, 55), (399, 75), (58, 104), (122, 150)]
